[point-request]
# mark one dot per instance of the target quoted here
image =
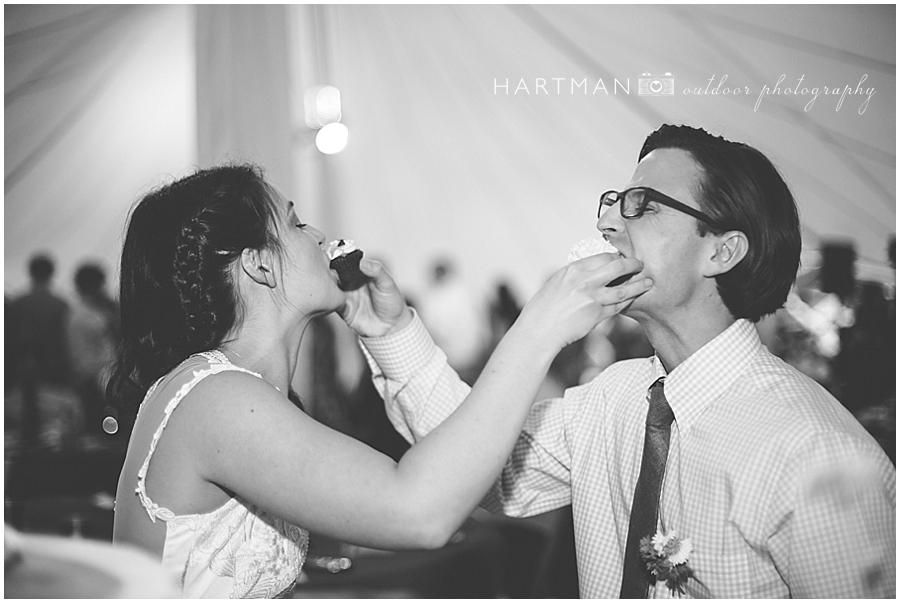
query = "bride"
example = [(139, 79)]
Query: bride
[(224, 475)]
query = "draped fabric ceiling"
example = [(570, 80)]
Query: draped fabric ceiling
[(479, 133), (99, 109)]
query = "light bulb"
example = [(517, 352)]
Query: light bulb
[(332, 138)]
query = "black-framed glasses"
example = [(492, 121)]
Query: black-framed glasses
[(633, 202)]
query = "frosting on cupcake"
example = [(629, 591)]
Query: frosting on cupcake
[(590, 246), (336, 249)]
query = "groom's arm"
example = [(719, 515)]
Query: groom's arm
[(412, 375), (420, 390)]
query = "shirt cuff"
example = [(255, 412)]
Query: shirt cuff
[(403, 353)]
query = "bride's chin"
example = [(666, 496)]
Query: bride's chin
[(339, 302)]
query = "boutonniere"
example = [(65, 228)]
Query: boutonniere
[(667, 558)]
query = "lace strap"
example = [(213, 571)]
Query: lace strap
[(218, 363)]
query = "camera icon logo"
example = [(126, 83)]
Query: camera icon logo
[(656, 85)]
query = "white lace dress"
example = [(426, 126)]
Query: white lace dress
[(236, 551)]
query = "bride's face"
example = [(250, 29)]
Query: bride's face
[(308, 282)]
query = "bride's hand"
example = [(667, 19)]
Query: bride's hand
[(377, 308), (576, 299)]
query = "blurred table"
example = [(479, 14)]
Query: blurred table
[(470, 566), (51, 567)]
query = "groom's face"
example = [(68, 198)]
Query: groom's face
[(666, 240)]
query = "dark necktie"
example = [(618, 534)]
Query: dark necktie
[(645, 506)]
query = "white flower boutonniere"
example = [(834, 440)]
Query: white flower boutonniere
[(667, 558)]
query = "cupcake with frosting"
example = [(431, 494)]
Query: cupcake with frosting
[(591, 246), (588, 247), (344, 258)]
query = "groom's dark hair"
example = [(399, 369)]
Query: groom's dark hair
[(742, 190)]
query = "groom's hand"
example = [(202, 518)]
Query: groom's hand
[(378, 308)]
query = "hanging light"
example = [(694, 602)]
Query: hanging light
[(322, 106), (332, 138)]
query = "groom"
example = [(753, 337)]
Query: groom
[(758, 481)]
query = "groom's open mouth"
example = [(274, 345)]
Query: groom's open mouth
[(624, 278)]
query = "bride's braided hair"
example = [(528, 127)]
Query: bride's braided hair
[(197, 285), (177, 292)]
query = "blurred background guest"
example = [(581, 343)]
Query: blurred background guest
[(92, 333), (38, 319), (455, 318), (503, 310)]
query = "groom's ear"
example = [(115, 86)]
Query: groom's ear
[(728, 249), (258, 266)]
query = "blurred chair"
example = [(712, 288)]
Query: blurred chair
[(471, 565), (539, 554), (77, 516), (492, 556), (526, 554), (63, 493)]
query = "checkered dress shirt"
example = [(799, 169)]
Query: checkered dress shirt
[(779, 488)]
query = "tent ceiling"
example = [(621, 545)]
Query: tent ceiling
[(100, 105)]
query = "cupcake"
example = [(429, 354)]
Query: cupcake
[(345, 257), (591, 246), (588, 247)]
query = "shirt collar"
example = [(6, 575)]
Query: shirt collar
[(709, 372)]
